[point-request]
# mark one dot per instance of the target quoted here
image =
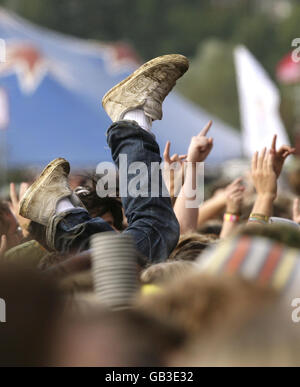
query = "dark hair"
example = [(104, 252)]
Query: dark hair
[(213, 227), (4, 222), (97, 206), (37, 232)]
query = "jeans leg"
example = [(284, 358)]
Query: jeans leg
[(152, 222), (70, 231)]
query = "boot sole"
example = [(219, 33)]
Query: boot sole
[(41, 180), (148, 67)]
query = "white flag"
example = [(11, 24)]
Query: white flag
[(4, 110), (259, 104)]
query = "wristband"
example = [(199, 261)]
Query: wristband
[(231, 218), (261, 217)]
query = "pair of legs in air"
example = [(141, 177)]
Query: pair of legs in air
[(132, 105)]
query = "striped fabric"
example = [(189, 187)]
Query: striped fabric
[(256, 258)]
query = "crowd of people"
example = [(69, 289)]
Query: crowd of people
[(151, 280)]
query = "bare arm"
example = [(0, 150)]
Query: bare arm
[(173, 172), (266, 169), (3, 245), (15, 206), (233, 208), (199, 149), (213, 207), (296, 210)]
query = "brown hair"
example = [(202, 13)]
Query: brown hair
[(191, 245), (161, 273), (205, 306), (269, 339)]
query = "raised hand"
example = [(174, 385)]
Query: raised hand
[(263, 173), (296, 210), (3, 245), (234, 197), (200, 146), (173, 159), (173, 171), (15, 205), (280, 155)]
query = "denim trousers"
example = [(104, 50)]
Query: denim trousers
[(151, 220)]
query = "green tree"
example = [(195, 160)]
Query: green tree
[(211, 81)]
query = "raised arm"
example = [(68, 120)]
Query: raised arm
[(233, 208), (199, 149), (3, 245), (173, 172), (15, 199), (266, 169), (214, 206)]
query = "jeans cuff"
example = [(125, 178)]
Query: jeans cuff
[(54, 221)]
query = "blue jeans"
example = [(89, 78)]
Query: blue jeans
[(152, 222)]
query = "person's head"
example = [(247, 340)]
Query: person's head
[(268, 339), (76, 180), (162, 273), (190, 246), (127, 338), (109, 209), (212, 227), (263, 259), (206, 306), (277, 232), (9, 226), (33, 310)]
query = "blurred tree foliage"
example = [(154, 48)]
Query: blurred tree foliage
[(211, 80), (204, 30)]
